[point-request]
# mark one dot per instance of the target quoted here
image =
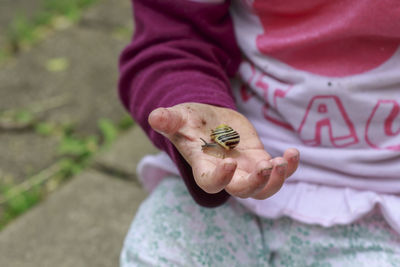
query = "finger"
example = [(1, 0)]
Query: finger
[(211, 178), (166, 120), (292, 156), (244, 185), (276, 179)]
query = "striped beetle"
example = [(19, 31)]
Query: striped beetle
[(224, 136)]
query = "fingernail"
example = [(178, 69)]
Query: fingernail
[(295, 158), (266, 172), (281, 169)]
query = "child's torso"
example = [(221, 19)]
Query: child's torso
[(324, 76)]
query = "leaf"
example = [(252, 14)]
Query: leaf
[(24, 116), (108, 130), (126, 122), (22, 202), (44, 128), (57, 64), (72, 146)]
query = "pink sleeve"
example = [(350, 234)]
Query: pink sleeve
[(182, 51)]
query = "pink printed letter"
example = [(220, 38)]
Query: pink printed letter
[(327, 112), (383, 126)]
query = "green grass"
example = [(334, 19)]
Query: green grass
[(23, 32), (17, 204)]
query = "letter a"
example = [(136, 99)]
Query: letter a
[(328, 113)]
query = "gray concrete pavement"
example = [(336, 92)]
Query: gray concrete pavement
[(79, 94), (84, 222)]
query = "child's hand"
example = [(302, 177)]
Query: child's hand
[(246, 171)]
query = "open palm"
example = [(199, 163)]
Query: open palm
[(246, 171)]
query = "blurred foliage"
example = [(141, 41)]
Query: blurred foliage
[(18, 204), (57, 64), (24, 116), (16, 120), (125, 123), (23, 32), (45, 128), (108, 131)]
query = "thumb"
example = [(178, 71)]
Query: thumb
[(166, 121)]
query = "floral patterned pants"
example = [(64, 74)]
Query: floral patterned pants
[(170, 229)]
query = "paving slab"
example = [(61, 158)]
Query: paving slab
[(122, 158), (82, 224), (24, 153)]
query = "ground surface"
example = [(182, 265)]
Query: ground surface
[(79, 95), (84, 221)]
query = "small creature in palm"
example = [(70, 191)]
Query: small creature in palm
[(224, 136)]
